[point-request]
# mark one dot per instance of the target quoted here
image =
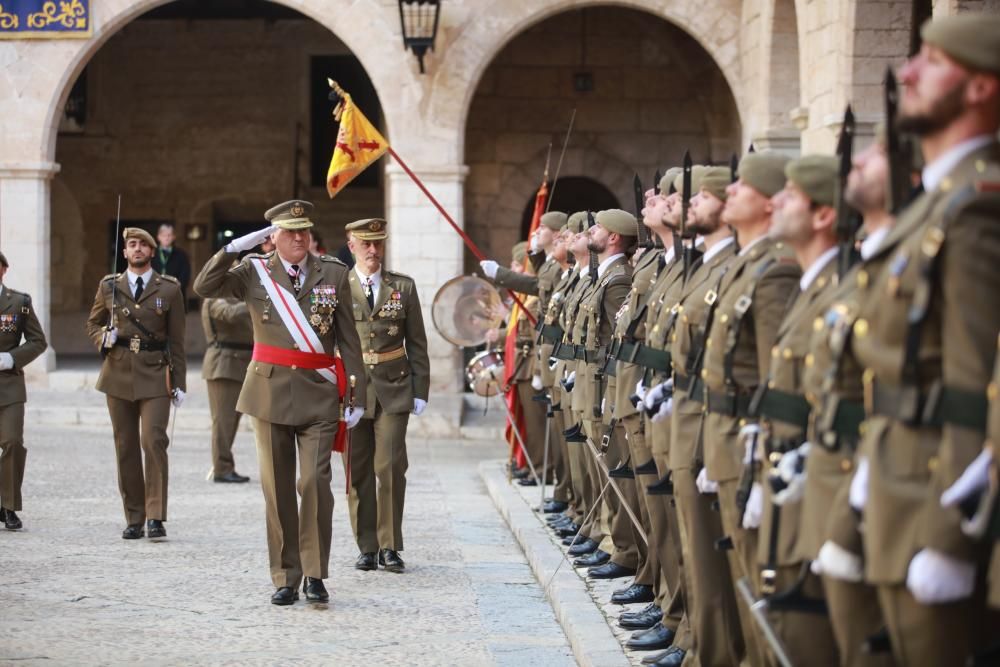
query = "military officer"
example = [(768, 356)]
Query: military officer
[(229, 343), (22, 340), (302, 312), (926, 338), (137, 322), (390, 324)]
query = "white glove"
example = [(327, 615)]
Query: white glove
[(553, 362), (704, 484), (748, 436), (656, 394), (353, 415), (419, 405), (858, 495), (640, 391), (791, 468), (935, 578), (489, 268), (972, 481), (251, 240), (536, 382), (836, 562), (534, 243), (178, 397), (6, 361), (603, 403), (754, 509), (110, 336), (571, 378), (666, 409)]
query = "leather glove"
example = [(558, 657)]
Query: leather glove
[(666, 409), (178, 397), (704, 484), (971, 482), (755, 508), (489, 268), (936, 578), (836, 562), (536, 382), (6, 361), (353, 415), (110, 336), (858, 495), (251, 240), (419, 405), (792, 471)]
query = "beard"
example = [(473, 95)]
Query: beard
[(140, 263), (593, 246), (942, 112), (705, 227)]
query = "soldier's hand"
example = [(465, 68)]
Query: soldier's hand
[(755, 507), (536, 382), (748, 436), (6, 361), (837, 562), (659, 394), (705, 485), (419, 405), (666, 409), (936, 578), (110, 336), (791, 469), (353, 415), (489, 268), (178, 397), (250, 241), (972, 481)]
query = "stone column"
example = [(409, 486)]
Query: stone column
[(25, 241)]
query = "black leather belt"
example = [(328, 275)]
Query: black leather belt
[(551, 333), (682, 382), (139, 345), (645, 356), (728, 403), (840, 422), (780, 446), (223, 345), (591, 356), (784, 407), (564, 351), (938, 406)]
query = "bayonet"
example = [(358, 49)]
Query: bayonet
[(593, 255), (734, 168), (685, 205), (898, 151), (848, 220), (640, 198)]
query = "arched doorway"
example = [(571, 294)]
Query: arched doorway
[(571, 194), (204, 114)]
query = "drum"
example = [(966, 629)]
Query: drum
[(465, 309), (485, 372)]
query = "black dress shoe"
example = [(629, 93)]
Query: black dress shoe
[(284, 596), (520, 473), (556, 518), (554, 507), (649, 616), (390, 560), (366, 561), (647, 468), (569, 530), (154, 528), (561, 523), (610, 571), (634, 594), (672, 657), (315, 590), (621, 472), (583, 547), (527, 481), (653, 639), (10, 520), (597, 557), (133, 532), (232, 477), (662, 487)]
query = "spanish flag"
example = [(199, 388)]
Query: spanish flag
[(358, 144)]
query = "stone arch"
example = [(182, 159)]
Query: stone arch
[(780, 72)]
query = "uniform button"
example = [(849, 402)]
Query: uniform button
[(932, 463), (810, 360), (818, 324), (724, 318), (295, 346), (775, 351), (372, 334), (846, 465), (770, 384), (862, 279), (787, 353), (704, 373), (861, 328), (992, 391)]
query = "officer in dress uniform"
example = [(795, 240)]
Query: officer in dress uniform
[(302, 313), (229, 336), (391, 327), (137, 322), (21, 341)]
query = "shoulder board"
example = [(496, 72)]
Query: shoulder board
[(170, 279), (110, 276), (397, 274), (331, 259), (258, 255)]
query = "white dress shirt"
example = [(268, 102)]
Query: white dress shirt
[(716, 249), (133, 277), (934, 172), (814, 269), (603, 266), (375, 278)]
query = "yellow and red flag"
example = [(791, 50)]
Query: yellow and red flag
[(358, 144)]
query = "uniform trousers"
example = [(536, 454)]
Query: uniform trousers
[(378, 480), (620, 529), (673, 603), (534, 427), (13, 455), (855, 616), (222, 397), (298, 533), (141, 441), (563, 490), (649, 566), (806, 636)]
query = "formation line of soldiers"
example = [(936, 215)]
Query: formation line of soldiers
[(785, 439)]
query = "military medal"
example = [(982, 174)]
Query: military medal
[(315, 319), (393, 330), (159, 306)]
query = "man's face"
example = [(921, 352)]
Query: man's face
[(578, 246), (137, 253), (165, 236), (654, 211), (545, 236), (744, 205), (933, 91), (560, 247), (792, 219), (598, 239), (705, 214), (868, 180), (368, 254), (672, 218), (3, 272), (292, 244)]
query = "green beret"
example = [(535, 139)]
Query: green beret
[(292, 214), (816, 175), (668, 180), (135, 233), (577, 222), (554, 220), (764, 171), (520, 251), (972, 39), (618, 221), (715, 180), (369, 229), (697, 171)]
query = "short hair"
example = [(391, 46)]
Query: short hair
[(165, 225)]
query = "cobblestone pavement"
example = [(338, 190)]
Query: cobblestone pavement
[(73, 592)]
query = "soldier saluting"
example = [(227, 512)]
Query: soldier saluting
[(137, 322), (301, 308), (22, 340)]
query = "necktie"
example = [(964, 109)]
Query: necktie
[(293, 273), (370, 293), (138, 288)]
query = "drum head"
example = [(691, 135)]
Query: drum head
[(465, 308)]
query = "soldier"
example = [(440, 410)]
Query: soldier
[(927, 340), (389, 321), (804, 217), (229, 337), (295, 386), (137, 322), (22, 340)]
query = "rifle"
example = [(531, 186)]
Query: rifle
[(644, 235), (734, 168), (685, 205), (655, 238), (114, 283), (593, 255), (848, 219), (899, 152)]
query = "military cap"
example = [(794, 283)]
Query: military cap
[(138, 233), (577, 222), (3, 261), (972, 39), (520, 251), (618, 221), (697, 172), (815, 175), (369, 229), (292, 214), (715, 180), (764, 171), (554, 220), (668, 180)]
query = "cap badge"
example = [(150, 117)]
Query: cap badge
[(297, 210)]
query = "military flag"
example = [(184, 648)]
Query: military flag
[(358, 144)]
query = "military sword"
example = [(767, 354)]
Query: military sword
[(520, 441), (758, 609), (628, 510), (593, 255), (347, 446), (562, 154), (545, 453), (114, 283), (590, 512)]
